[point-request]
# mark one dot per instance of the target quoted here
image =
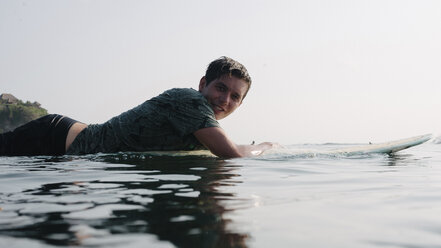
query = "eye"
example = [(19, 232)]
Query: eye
[(221, 88), (235, 97)]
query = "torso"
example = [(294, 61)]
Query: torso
[(163, 123)]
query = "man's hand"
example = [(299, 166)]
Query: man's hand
[(255, 150), (215, 139)]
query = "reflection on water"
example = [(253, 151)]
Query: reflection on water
[(91, 201), (141, 200)]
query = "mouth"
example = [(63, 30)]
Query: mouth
[(217, 108)]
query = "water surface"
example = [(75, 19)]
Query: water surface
[(283, 200)]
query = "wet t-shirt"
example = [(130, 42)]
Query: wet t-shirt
[(164, 123)]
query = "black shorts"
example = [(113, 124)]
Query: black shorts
[(43, 136)]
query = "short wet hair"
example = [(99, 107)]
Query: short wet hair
[(227, 66)]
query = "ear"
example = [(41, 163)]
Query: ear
[(202, 83)]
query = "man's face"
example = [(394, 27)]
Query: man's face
[(224, 94)]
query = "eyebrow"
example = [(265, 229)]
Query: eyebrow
[(220, 83)]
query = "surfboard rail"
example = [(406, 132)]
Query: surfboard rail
[(385, 147)]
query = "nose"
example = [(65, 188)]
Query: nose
[(224, 99)]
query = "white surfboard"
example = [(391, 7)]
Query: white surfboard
[(379, 148), (386, 147)]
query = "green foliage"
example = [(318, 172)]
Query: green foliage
[(16, 114)]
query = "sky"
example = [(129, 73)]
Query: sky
[(323, 71)]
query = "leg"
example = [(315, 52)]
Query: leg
[(27, 139), (43, 136)]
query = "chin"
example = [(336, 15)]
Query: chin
[(219, 117)]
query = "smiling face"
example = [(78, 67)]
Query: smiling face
[(224, 94)]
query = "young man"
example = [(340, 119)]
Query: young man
[(178, 119)]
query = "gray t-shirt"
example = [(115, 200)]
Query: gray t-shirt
[(164, 123)]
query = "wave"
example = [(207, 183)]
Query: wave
[(437, 140)]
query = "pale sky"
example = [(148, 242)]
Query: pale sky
[(323, 71)]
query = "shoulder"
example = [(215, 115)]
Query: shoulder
[(183, 96), (182, 93), (187, 110), (187, 101)]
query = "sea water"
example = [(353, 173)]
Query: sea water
[(276, 200)]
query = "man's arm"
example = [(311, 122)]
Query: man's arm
[(215, 139)]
